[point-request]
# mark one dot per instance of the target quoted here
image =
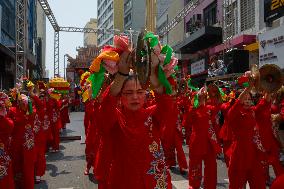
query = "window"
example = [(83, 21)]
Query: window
[(247, 14), (127, 19), (127, 5), (210, 14)]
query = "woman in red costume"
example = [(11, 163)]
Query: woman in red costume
[(268, 136), (137, 159), (23, 146), (246, 151), (64, 111), (6, 128), (203, 144), (225, 132), (55, 122), (40, 134)]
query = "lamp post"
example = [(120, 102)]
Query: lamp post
[(64, 71)]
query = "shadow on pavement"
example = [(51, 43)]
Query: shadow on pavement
[(54, 169), (92, 178), (42, 185), (59, 156), (176, 171)]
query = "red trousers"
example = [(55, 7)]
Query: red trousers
[(226, 147), (254, 176), (210, 170), (169, 150), (23, 164), (40, 161), (7, 182), (55, 135)]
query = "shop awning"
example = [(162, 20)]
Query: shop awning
[(7, 51), (236, 42), (201, 39), (252, 47)]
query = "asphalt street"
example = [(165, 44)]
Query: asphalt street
[(65, 169)]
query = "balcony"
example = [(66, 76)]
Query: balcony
[(201, 38)]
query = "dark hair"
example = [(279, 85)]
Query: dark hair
[(129, 78)]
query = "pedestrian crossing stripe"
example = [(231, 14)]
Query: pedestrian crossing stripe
[(181, 184)]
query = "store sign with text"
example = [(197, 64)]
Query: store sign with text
[(273, 9), (198, 67), (271, 47)]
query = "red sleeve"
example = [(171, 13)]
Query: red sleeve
[(165, 109), (38, 103), (261, 107), (6, 125), (282, 109), (107, 114), (233, 113)]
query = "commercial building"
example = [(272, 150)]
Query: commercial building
[(41, 42), (7, 43), (91, 39), (110, 16)]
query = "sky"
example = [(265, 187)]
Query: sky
[(74, 13)]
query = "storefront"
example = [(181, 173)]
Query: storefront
[(271, 47), (7, 67)]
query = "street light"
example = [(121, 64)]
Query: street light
[(64, 71)]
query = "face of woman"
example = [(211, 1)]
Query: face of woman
[(132, 95), (247, 101)]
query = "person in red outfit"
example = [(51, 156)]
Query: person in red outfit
[(246, 151), (270, 143), (64, 111), (225, 133), (55, 123), (92, 138), (23, 143), (137, 159), (6, 128), (215, 102), (203, 145), (40, 134), (172, 140)]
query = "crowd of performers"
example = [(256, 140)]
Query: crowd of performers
[(135, 135), (30, 123), (122, 139)]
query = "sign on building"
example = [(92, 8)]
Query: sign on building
[(273, 9), (272, 47), (197, 67)]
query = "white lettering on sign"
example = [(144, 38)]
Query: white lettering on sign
[(197, 67), (271, 47)]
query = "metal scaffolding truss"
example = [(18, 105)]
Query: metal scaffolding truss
[(21, 28), (56, 53), (179, 17), (48, 12), (21, 39)]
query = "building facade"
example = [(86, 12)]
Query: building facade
[(7, 43), (110, 17), (162, 18), (91, 38), (41, 41)]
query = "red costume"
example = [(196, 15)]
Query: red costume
[(55, 122), (64, 113), (226, 133), (137, 159), (88, 109), (246, 150), (6, 170), (40, 136), (172, 138), (93, 137), (268, 136), (203, 146), (22, 148)]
